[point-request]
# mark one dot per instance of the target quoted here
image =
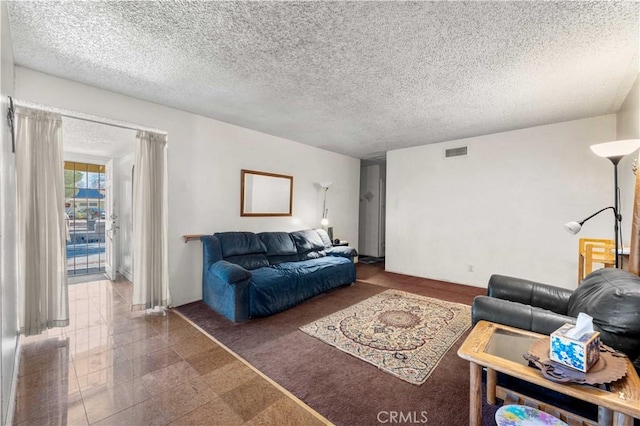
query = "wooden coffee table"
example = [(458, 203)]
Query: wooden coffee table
[(500, 348)]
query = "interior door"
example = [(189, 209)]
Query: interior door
[(381, 218), (110, 222)]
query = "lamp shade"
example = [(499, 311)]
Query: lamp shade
[(615, 150), (325, 185), (324, 221), (572, 227)]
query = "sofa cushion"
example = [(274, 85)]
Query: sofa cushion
[(324, 237), (275, 260), (309, 244), (312, 254), (278, 243), (307, 240), (343, 251), (249, 261), (612, 297), (280, 287), (240, 243)]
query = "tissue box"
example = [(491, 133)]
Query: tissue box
[(580, 354)]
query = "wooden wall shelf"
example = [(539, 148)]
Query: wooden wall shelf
[(192, 237)]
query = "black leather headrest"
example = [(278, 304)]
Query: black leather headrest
[(612, 297)]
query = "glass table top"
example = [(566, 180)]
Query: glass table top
[(510, 345)]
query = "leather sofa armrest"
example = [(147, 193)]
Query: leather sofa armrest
[(225, 288), (229, 272), (342, 251), (517, 315), (527, 292)]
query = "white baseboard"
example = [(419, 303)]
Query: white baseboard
[(127, 274)]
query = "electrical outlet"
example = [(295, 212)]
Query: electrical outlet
[(470, 268)]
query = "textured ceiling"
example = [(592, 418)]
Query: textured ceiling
[(358, 78), (100, 140)]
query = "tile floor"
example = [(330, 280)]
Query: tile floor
[(111, 366)]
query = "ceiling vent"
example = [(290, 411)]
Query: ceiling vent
[(462, 151)]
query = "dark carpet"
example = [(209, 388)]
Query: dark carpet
[(344, 389)]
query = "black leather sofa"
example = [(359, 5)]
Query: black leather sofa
[(611, 296)]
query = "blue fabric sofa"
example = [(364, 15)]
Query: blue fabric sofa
[(250, 275)]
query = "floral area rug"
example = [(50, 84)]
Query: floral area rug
[(401, 333)]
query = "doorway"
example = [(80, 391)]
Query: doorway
[(371, 244), (97, 157), (84, 187)]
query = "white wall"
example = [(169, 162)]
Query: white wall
[(8, 249), (500, 210), (204, 163), (82, 158), (628, 117)]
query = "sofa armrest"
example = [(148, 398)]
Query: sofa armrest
[(225, 288), (527, 292), (517, 315), (229, 272), (342, 251)]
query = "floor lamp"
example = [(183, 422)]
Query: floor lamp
[(616, 151), (325, 211)]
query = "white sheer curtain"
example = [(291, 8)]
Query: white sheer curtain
[(42, 260), (150, 269)]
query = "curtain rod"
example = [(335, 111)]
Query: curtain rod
[(72, 114)]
